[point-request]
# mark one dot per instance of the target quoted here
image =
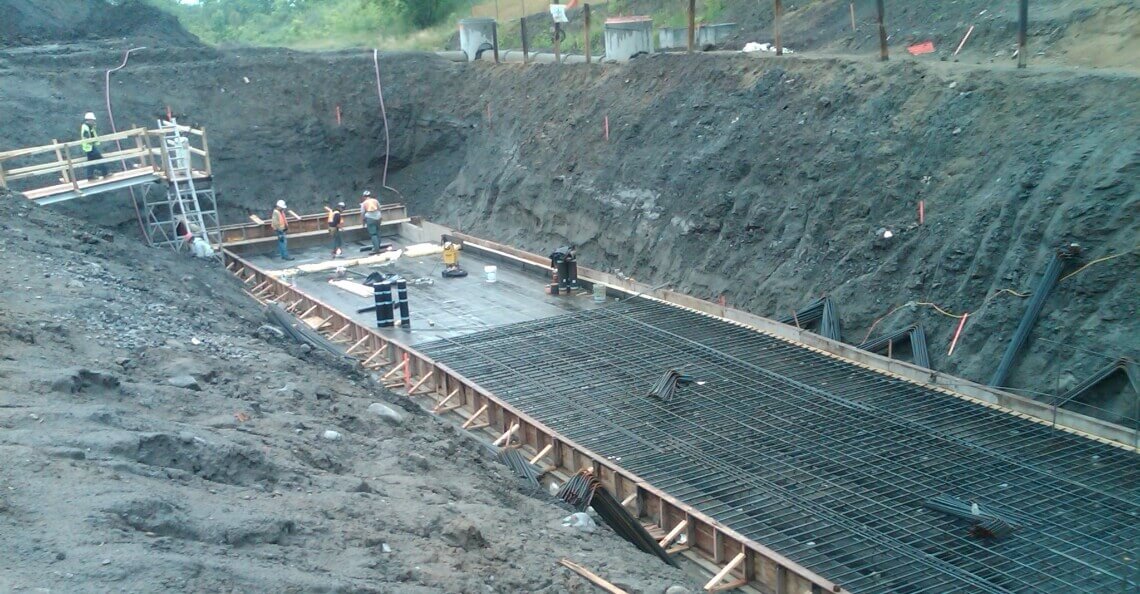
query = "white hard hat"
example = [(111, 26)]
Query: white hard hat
[(367, 192), (89, 115), (280, 204)]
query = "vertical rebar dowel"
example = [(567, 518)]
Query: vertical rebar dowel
[(883, 55), (1022, 32), (778, 12), (692, 25), (586, 35), (495, 39), (522, 32)]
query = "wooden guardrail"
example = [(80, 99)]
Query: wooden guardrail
[(143, 150)]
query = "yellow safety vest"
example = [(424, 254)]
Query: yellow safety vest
[(89, 135)]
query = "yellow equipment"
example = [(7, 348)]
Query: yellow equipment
[(450, 255)]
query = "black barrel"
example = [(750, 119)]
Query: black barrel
[(382, 293), (402, 296)]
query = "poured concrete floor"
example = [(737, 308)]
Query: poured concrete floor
[(443, 308)]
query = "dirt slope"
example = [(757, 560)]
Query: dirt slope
[(34, 22), (116, 478)]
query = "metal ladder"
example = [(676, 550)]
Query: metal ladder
[(184, 200)]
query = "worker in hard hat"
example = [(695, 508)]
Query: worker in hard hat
[(280, 222), (336, 219), (370, 207), (89, 142)]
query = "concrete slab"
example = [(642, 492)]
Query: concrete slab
[(441, 308)]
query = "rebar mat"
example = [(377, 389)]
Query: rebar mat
[(819, 459)]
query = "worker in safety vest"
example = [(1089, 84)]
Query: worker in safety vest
[(280, 221), (370, 207), (89, 142), (336, 219)]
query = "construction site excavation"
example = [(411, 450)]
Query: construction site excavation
[(631, 297)]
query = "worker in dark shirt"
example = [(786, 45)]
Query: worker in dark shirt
[(336, 220)]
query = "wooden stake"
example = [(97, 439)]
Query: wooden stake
[(586, 11), (964, 38), (852, 17), (373, 356), (357, 345), (779, 12), (673, 534), (713, 586), (541, 453), (391, 372), (883, 55), (421, 382), (506, 437), (692, 25), (471, 420), (333, 336), (628, 500), (597, 581), (439, 407)]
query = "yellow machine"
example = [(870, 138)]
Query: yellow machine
[(451, 267)]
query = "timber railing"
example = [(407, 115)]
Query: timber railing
[(142, 152)]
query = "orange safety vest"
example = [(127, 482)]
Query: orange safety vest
[(281, 223)]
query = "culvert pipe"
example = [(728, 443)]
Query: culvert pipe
[(516, 56)]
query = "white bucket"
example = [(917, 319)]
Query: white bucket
[(599, 293), (490, 272)]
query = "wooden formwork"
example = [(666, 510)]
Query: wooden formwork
[(736, 561)]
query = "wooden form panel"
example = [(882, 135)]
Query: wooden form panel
[(408, 368)]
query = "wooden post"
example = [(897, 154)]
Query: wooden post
[(4, 182), (586, 21), (149, 150), (206, 156), (70, 167), (495, 34), (692, 25), (522, 32), (852, 6), (1022, 31), (557, 42), (882, 32), (58, 157), (140, 148), (779, 11)]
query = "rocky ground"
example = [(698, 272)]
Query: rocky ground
[(157, 438)]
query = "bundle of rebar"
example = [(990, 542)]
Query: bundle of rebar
[(1029, 318), (822, 310), (912, 334), (666, 387), (1122, 365), (517, 462), (300, 331), (584, 490), (988, 522)]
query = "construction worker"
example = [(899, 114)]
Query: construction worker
[(335, 220), (370, 207), (90, 145), (280, 222)]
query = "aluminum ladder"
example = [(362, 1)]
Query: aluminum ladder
[(189, 206)]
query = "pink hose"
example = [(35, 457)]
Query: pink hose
[(384, 114), (111, 120)]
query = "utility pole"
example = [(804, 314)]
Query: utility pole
[(779, 11), (883, 55), (692, 24)]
